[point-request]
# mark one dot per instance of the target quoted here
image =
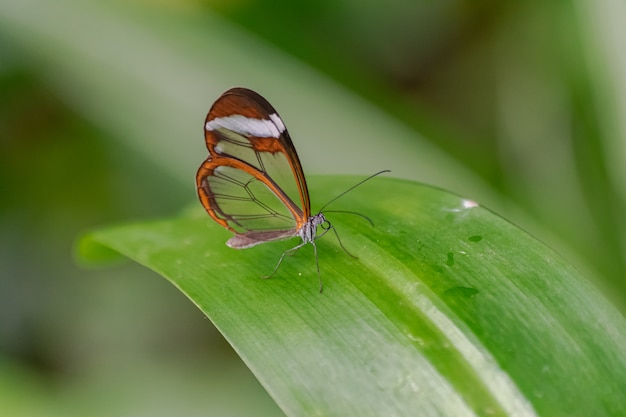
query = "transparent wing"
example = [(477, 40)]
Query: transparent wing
[(253, 178), (240, 198)]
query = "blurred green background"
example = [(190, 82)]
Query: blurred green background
[(518, 105)]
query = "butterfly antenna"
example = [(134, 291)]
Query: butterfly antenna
[(352, 212), (353, 187)]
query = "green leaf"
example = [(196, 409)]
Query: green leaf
[(91, 253), (448, 310)]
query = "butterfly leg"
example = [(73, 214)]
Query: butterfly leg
[(329, 227), (317, 264), (289, 252)]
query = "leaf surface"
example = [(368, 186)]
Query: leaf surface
[(448, 310)]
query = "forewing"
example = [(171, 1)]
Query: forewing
[(244, 126)]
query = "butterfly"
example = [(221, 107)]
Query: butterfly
[(252, 183)]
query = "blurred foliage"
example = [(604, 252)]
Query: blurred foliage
[(68, 335), (525, 96)]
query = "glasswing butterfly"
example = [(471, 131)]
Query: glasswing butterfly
[(252, 183)]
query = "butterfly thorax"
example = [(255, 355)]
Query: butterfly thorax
[(309, 230)]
